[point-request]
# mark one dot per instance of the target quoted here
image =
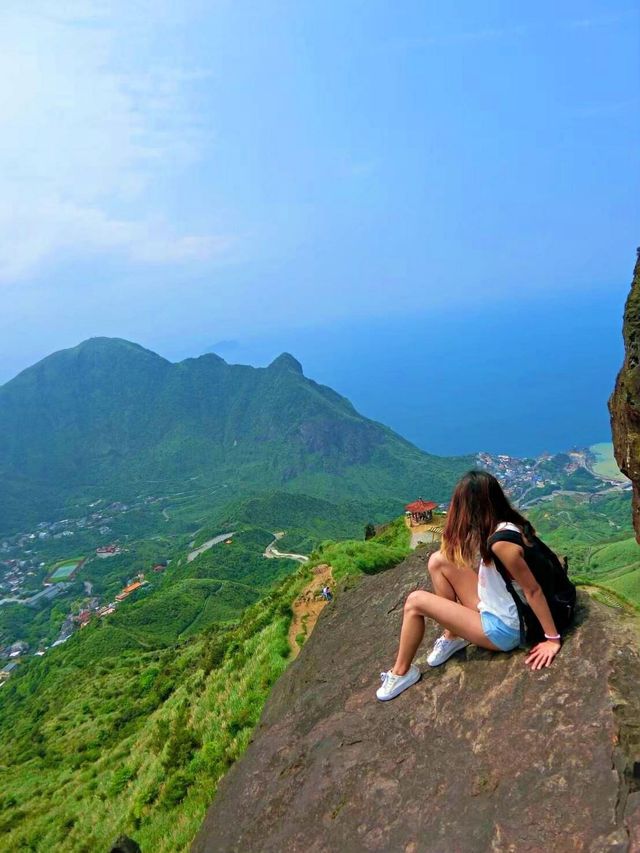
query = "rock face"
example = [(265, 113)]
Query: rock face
[(481, 755), (624, 404)]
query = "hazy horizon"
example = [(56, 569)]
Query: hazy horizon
[(551, 397), (309, 178)]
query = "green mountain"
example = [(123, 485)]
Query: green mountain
[(109, 418)]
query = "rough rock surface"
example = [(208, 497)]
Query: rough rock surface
[(481, 755), (624, 404)]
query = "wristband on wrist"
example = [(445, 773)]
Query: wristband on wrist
[(551, 637)]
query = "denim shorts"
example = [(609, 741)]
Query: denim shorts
[(501, 635)]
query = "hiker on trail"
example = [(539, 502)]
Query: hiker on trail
[(326, 593), (495, 584)]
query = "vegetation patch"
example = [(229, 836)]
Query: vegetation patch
[(356, 557), (137, 741)]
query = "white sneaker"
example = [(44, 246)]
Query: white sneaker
[(393, 685), (443, 648)]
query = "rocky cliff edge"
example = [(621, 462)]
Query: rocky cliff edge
[(481, 755), (624, 404)]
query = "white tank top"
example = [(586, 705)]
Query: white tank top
[(492, 590)]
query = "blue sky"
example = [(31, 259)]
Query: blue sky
[(301, 176)]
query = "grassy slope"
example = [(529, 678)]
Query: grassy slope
[(354, 557), (598, 538), (108, 734)]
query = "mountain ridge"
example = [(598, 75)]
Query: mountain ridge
[(111, 417)]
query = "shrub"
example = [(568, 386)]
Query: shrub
[(176, 789), (120, 780), (182, 742)]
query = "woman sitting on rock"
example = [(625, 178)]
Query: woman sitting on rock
[(476, 606)]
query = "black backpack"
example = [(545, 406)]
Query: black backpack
[(552, 577)]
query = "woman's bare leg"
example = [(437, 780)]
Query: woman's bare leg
[(461, 621), (455, 583)]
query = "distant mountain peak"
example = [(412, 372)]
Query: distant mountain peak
[(104, 348), (213, 357), (286, 361), (106, 343)]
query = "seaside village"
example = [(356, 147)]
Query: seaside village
[(21, 569), (524, 479)]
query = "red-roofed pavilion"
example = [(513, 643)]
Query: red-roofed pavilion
[(421, 510)]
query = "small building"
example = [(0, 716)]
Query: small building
[(83, 618), (421, 511), (7, 668), (107, 551), (128, 590)]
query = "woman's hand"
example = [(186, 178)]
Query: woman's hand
[(542, 654)]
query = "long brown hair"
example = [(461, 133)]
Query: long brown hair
[(478, 505)]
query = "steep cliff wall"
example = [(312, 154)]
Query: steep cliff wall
[(481, 755), (624, 404)]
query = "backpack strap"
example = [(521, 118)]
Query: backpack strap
[(515, 537)]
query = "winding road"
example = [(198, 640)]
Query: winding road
[(272, 552), (208, 544)]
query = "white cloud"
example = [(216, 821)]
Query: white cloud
[(93, 131)]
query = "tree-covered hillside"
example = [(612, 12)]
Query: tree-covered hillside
[(109, 419)]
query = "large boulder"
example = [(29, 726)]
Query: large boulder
[(624, 404), (481, 755)]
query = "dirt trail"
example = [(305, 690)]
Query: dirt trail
[(308, 606), (424, 533)]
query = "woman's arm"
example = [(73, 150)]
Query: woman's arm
[(512, 558)]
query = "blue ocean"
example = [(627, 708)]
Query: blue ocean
[(520, 378)]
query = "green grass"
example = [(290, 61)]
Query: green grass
[(597, 536), (129, 726), (355, 557), (615, 556), (182, 609), (134, 740), (307, 521)]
